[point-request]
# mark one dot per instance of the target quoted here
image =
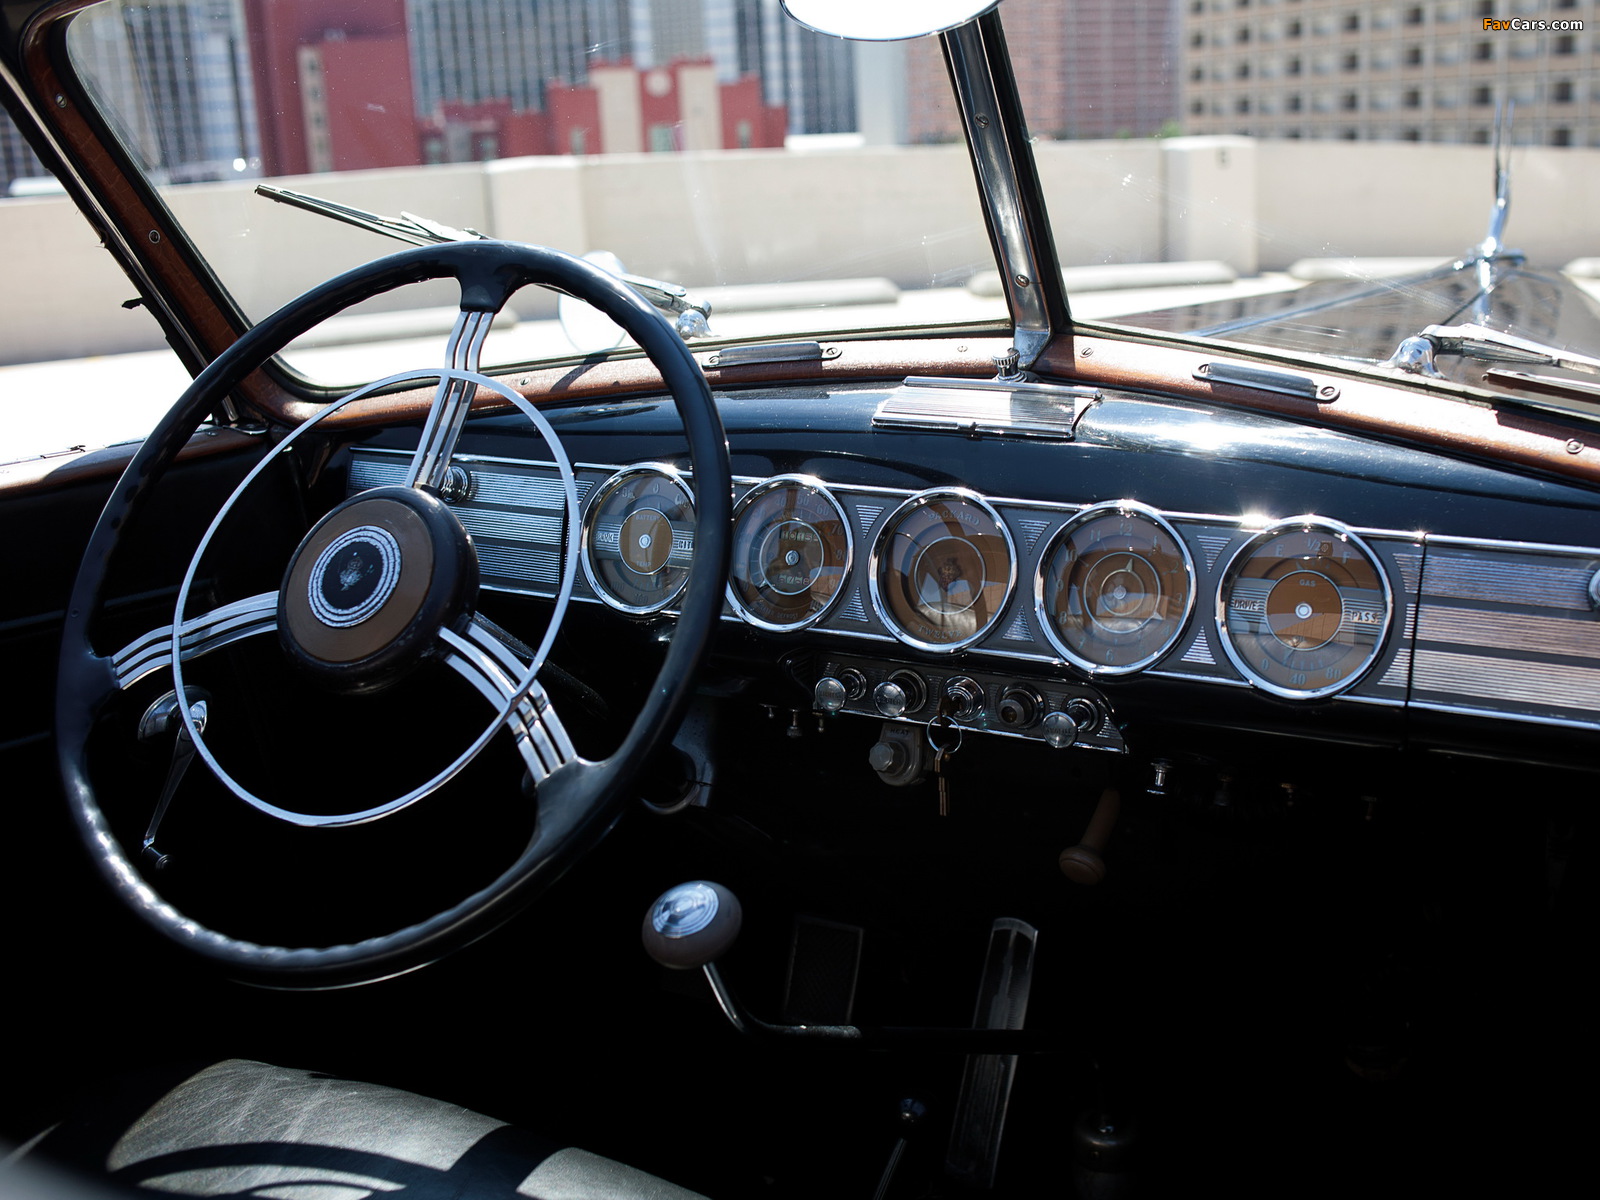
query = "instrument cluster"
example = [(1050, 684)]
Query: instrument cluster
[(1302, 607)]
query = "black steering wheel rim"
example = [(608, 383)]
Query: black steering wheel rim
[(578, 803)]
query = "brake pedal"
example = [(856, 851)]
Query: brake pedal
[(980, 1115)]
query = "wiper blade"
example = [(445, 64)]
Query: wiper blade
[(692, 313), (407, 227), (1415, 355)]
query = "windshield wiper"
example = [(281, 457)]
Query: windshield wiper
[(1415, 355), (692, 314)]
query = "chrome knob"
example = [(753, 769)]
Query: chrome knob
[(1019, 707), (1086, 714), (1060, 730), (829, 695), (890, 699)]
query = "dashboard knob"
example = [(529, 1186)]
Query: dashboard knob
[(886, 758), (1060, 730), (1087, 715), (890, 699), (692, 924), (829, 695), (1019, 707)]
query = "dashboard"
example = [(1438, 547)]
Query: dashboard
[(1036, 561)]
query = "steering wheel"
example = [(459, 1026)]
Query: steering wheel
[(387, 580)]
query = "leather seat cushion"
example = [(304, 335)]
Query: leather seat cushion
[(242, 1128)]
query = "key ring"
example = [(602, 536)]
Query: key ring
[(944, 722)]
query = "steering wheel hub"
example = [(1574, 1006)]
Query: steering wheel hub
[(371, 585)]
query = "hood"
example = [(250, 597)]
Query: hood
[(1365, 321)]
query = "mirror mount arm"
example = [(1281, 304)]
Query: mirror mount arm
[(1008, 183)]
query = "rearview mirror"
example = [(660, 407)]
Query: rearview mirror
[(885, 20)]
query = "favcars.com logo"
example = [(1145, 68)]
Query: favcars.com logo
[(1519, 25)]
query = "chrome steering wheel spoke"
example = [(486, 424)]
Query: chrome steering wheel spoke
[(222, 626), (452, 401), (509, 683)]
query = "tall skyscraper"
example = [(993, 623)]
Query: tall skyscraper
[(177, 74), (1393, 69), (1095, 69)]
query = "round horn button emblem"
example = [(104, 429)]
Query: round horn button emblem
[(371, 586), (353, 576)]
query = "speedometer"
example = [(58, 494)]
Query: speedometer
[(943, 569), (791, 553), (638, 539), (1115, 588), (1303, 608)]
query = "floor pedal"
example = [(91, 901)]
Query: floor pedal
[(980, 1115)]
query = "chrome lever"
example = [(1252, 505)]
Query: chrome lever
[(183, 751)]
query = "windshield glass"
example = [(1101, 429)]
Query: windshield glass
[(717, 146), (1306, 176)]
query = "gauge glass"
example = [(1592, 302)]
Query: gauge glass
[(638, 539), (791, 553), (1303, 608), (943, 570), (1115, 588)]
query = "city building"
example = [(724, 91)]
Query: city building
[(1399, 70), (178, 74), (1092, 69)]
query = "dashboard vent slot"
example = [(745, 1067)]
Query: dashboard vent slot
[(962, 406)]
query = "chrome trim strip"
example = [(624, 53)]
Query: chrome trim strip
[(1553, 685), (1491, 714), (1492, 544), (1555, 636), (1002, 190), (1498, 580)]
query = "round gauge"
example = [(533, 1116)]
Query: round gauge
[(791, 553), (1303, 608), (638, 539), (1115, 588), (943, 569)]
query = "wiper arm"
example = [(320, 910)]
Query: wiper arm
[(1415, 355), (692, 313)]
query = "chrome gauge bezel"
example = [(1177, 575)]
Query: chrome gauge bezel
[(591, 511), (811, 483), (1084, 517), (1261, 537), (875, 563)]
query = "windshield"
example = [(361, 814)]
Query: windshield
[(714, 146), (1303, 176)]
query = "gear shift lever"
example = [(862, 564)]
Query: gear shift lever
[(692, 925)]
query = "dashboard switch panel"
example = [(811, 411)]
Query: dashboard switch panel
[(978, 701)]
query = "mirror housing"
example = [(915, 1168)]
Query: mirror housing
[(885, 20)]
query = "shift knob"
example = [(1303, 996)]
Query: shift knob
[(692, 924)]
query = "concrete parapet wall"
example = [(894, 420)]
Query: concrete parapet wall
[(908, 214)]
